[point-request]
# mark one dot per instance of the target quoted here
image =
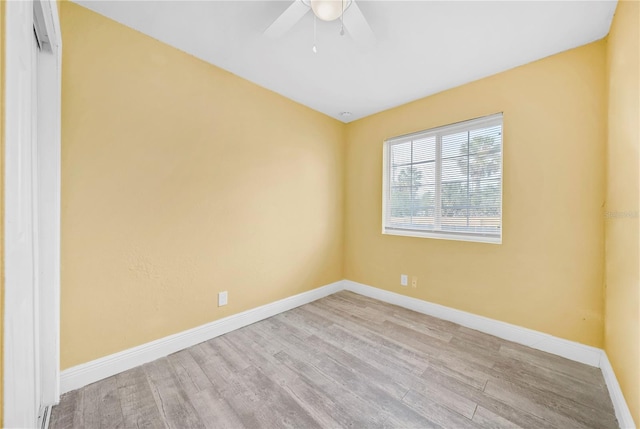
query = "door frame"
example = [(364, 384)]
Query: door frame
[(46, 300), (49, 76)]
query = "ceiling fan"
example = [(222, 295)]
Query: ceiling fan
[(327, 10)]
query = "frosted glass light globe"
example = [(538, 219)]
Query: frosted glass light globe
[(327, 10)]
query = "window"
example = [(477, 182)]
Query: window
[(445, 182)]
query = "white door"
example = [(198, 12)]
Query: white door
[(32, 210), (22, 398), (35, 54)]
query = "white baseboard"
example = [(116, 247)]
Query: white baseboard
[(90, 372), (528, 337), (625, 420)]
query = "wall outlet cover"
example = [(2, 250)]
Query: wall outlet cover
[(222, 298)]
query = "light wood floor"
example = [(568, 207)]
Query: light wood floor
[(347, 361)]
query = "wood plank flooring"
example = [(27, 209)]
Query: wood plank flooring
[(347, 361)]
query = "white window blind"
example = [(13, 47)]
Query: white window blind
[(446, 182)]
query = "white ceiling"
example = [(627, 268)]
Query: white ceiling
[(422, 47)]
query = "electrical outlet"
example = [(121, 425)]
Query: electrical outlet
[(414, 281), (222, 298), (404, 279)]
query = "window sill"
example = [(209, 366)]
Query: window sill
[(443, 236)]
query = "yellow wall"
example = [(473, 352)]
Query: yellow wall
[(547, 275), (180, 180), (622, 322), (1, 211)]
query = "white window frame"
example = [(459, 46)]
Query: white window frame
[(486, 121)]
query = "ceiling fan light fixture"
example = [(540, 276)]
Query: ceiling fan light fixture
[(328, 10)]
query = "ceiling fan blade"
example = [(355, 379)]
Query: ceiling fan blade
[(287, 20), (357, 25)]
